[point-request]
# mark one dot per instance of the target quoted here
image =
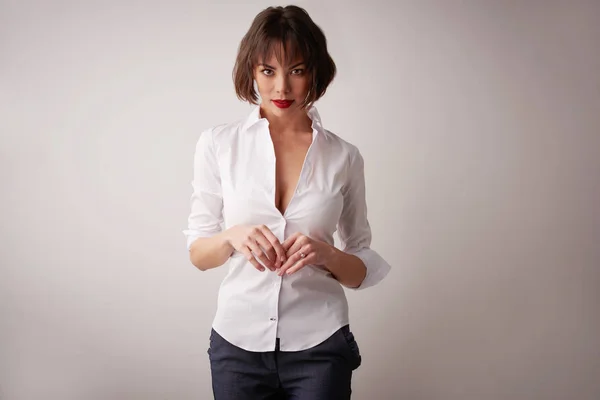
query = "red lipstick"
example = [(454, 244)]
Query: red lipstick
[(283, 103)]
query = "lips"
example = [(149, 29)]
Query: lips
[(283, 103)]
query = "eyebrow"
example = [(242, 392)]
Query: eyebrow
[(268, 66)]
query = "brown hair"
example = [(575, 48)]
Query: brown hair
[(291, 28)]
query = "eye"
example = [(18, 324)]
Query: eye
[(298, 71), (267, 72)]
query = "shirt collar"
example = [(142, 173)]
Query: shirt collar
[(254, 117)]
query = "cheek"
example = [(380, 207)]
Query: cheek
[(301, 86), (259, 82)]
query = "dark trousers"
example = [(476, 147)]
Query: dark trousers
[(323, 372)]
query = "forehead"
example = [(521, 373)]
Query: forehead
[(277, 55), (274, 62)]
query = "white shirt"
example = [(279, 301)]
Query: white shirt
[(234, 183)]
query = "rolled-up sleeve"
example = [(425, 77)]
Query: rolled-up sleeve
[(353, 227), (206, 202)]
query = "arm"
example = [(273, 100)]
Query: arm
[(348, 269), (209, 246), (206, 243), (357, 266), (255, 242), (210, 252)]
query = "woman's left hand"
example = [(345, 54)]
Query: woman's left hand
[(301, 250)]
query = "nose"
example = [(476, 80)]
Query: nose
[(282, 83)]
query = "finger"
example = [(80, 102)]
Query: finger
[(259, 254), (272, 246), (292, 258), (295, 258), (253, 240), (290, 241), (302, 263), (266, 247), (297, 245), (279, 250), (250, 257)]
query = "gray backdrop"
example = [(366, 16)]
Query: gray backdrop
[(479, 124)]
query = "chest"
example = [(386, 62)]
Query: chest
[(267, 181), (290, 159)]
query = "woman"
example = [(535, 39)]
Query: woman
[(269, 191)]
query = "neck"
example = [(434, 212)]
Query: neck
[(298, 121)]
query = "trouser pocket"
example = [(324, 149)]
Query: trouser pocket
[(350, 342)]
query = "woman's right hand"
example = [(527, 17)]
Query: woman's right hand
[(257, 242)]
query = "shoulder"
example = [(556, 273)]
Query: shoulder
[(220, 134), (347, 150), (222, 131)]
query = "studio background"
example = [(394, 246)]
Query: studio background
[(479, 125)]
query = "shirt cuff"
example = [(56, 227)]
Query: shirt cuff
[(377, 267), (192, 235)]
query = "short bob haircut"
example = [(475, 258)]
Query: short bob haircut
[(288, 28)]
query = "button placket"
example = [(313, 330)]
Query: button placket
[(276, 287), (304, 177)]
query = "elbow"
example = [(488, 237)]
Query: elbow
[(196, 257), (358, 279), (376, 268), (200, 267), (208, 253), (196, 262), (202, 262)]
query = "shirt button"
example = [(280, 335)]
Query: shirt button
[(273, 319)]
